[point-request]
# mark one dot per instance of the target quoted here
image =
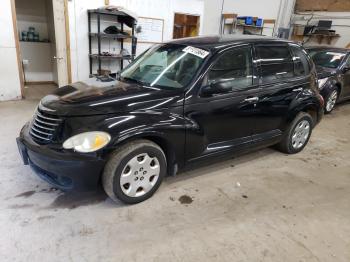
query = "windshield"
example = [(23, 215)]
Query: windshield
[(166, 65), (328, 59)]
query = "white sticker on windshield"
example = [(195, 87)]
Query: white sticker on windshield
[(196, 51)]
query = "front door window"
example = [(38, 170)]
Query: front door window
[(232, 71)]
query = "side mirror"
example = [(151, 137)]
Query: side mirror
[(216, 88)]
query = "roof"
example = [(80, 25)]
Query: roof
[(327, 48), (218, 41)]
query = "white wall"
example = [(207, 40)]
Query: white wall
[(78, 24), (10, 87)]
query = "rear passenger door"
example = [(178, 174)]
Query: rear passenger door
[(281, 78)]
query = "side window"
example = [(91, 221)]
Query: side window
[(301, 62), (276, 63), (233, 70)]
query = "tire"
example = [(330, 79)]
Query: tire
[(331, 100), (134, 171), (290, 144)]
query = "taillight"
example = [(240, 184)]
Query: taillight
[(321, 100)]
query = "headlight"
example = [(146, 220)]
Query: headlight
[(87, 142), (322, 82)]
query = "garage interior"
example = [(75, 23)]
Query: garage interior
[(259, 206)]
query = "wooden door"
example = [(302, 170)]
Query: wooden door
[(61, 41), (185, 25)]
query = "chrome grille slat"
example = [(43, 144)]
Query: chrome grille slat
[(37, 136), (48, 118), (46, 123), (41, 132), (44, 126)]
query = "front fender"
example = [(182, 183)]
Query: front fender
[(165, 127), (328, 88)]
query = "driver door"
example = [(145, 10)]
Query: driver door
[(222, 115)]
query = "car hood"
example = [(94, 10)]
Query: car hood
[(323, 72), (94, 97)]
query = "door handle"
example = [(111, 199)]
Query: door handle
[(252, 99), (297, 89)]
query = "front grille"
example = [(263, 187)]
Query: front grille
[(44, 127)]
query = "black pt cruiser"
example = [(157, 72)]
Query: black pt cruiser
[(333, 69), (178, 103)]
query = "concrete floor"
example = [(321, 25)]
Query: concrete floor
[(264, 206)]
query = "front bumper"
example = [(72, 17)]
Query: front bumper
[(63, 169)]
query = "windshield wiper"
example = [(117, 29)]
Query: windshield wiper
[(132, 80)]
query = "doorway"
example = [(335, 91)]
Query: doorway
[(41, 28), (185, 25)]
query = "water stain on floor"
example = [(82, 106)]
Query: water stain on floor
[(20, 206), (44, 218), (26, 194), (185, 199), (49, 190), (72, 200)]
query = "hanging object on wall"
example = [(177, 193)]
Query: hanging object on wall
[(149, 30)]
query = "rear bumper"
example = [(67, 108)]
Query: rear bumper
[(61, 168)]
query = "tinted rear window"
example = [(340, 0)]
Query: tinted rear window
[(276, 63)]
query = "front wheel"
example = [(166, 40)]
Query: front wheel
[(134, 171), (297, 135), (331, 100)]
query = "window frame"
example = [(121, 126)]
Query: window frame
[(218, 55)]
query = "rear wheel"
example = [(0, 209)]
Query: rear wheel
[(297, 135), (134, 172), (331, 100)]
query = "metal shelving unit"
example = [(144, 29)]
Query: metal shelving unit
[(230, 21), (120, 18), (260, 28)]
